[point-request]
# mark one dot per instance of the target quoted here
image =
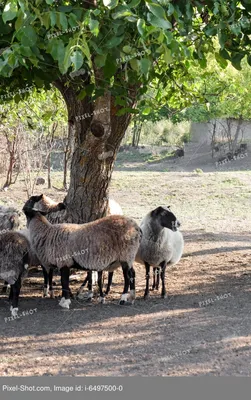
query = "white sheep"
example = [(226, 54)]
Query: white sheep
[(162, 243)]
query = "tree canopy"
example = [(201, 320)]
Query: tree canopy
[(133, 44)]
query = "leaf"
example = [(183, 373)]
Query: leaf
[(46, 19), (53, 18), (236, 60), (144, 65), (50, 2), (100, 60), (159, 22), (134, 3), (82, 94), (96, 48), (156, 10), (57, 50), (110, 3), (221, 61), (134, 64), (94, 27), (63, 21), (127, 49), (28, 36), (115, 41), (77, 59), (141, 26), (146, 110), (10, 11), (167, 55), (85, 48), (110, 66), (122, 11)]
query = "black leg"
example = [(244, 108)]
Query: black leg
[(132, 283), (100, 285), (15, 292), (124, 296), (154, 278), (158, 274), (46, 284), (51, 283), (110, 276), (65, 275), (11, 293), (163, 271), (89, 277), (146, 295), (80, 290)]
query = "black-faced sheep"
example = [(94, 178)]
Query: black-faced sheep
[(92, 246), (161, 245)]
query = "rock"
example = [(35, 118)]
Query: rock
[(40, 181)]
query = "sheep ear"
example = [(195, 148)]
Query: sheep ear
[(157, 211), (61, 206)]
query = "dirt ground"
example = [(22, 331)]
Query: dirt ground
[(202, 328)]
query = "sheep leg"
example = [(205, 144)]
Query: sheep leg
[(51, 291), (5, 288), (65, 276), (46, 283), (110, 276), (81, 289), (158, 274), (163, 272), (14, 296), (132, 284), (90, 292), (124, 296), (146, 295), (154, 278), (100, 285)]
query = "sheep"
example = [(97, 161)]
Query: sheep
[(102, 243), (56, 214), (9, 218), (162, 244), (14, 260), (113, 209)]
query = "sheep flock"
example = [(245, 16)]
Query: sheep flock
[(106, 244)]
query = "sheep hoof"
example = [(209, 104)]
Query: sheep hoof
[(14, 311), (146, 296), (46, 292), (51, 293), (124, 299), (101, 300), (132, 295), (164, 296), (65, 303)]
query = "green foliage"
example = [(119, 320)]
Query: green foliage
[(164, 132), (223, 93), (175, 34)]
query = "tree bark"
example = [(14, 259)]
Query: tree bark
[(97, 136)]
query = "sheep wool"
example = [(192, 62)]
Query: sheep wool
[(14, 254)]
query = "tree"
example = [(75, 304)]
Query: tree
[(115, 44)]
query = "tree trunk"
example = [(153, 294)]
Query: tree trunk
[(97, 138), (49, 170)]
